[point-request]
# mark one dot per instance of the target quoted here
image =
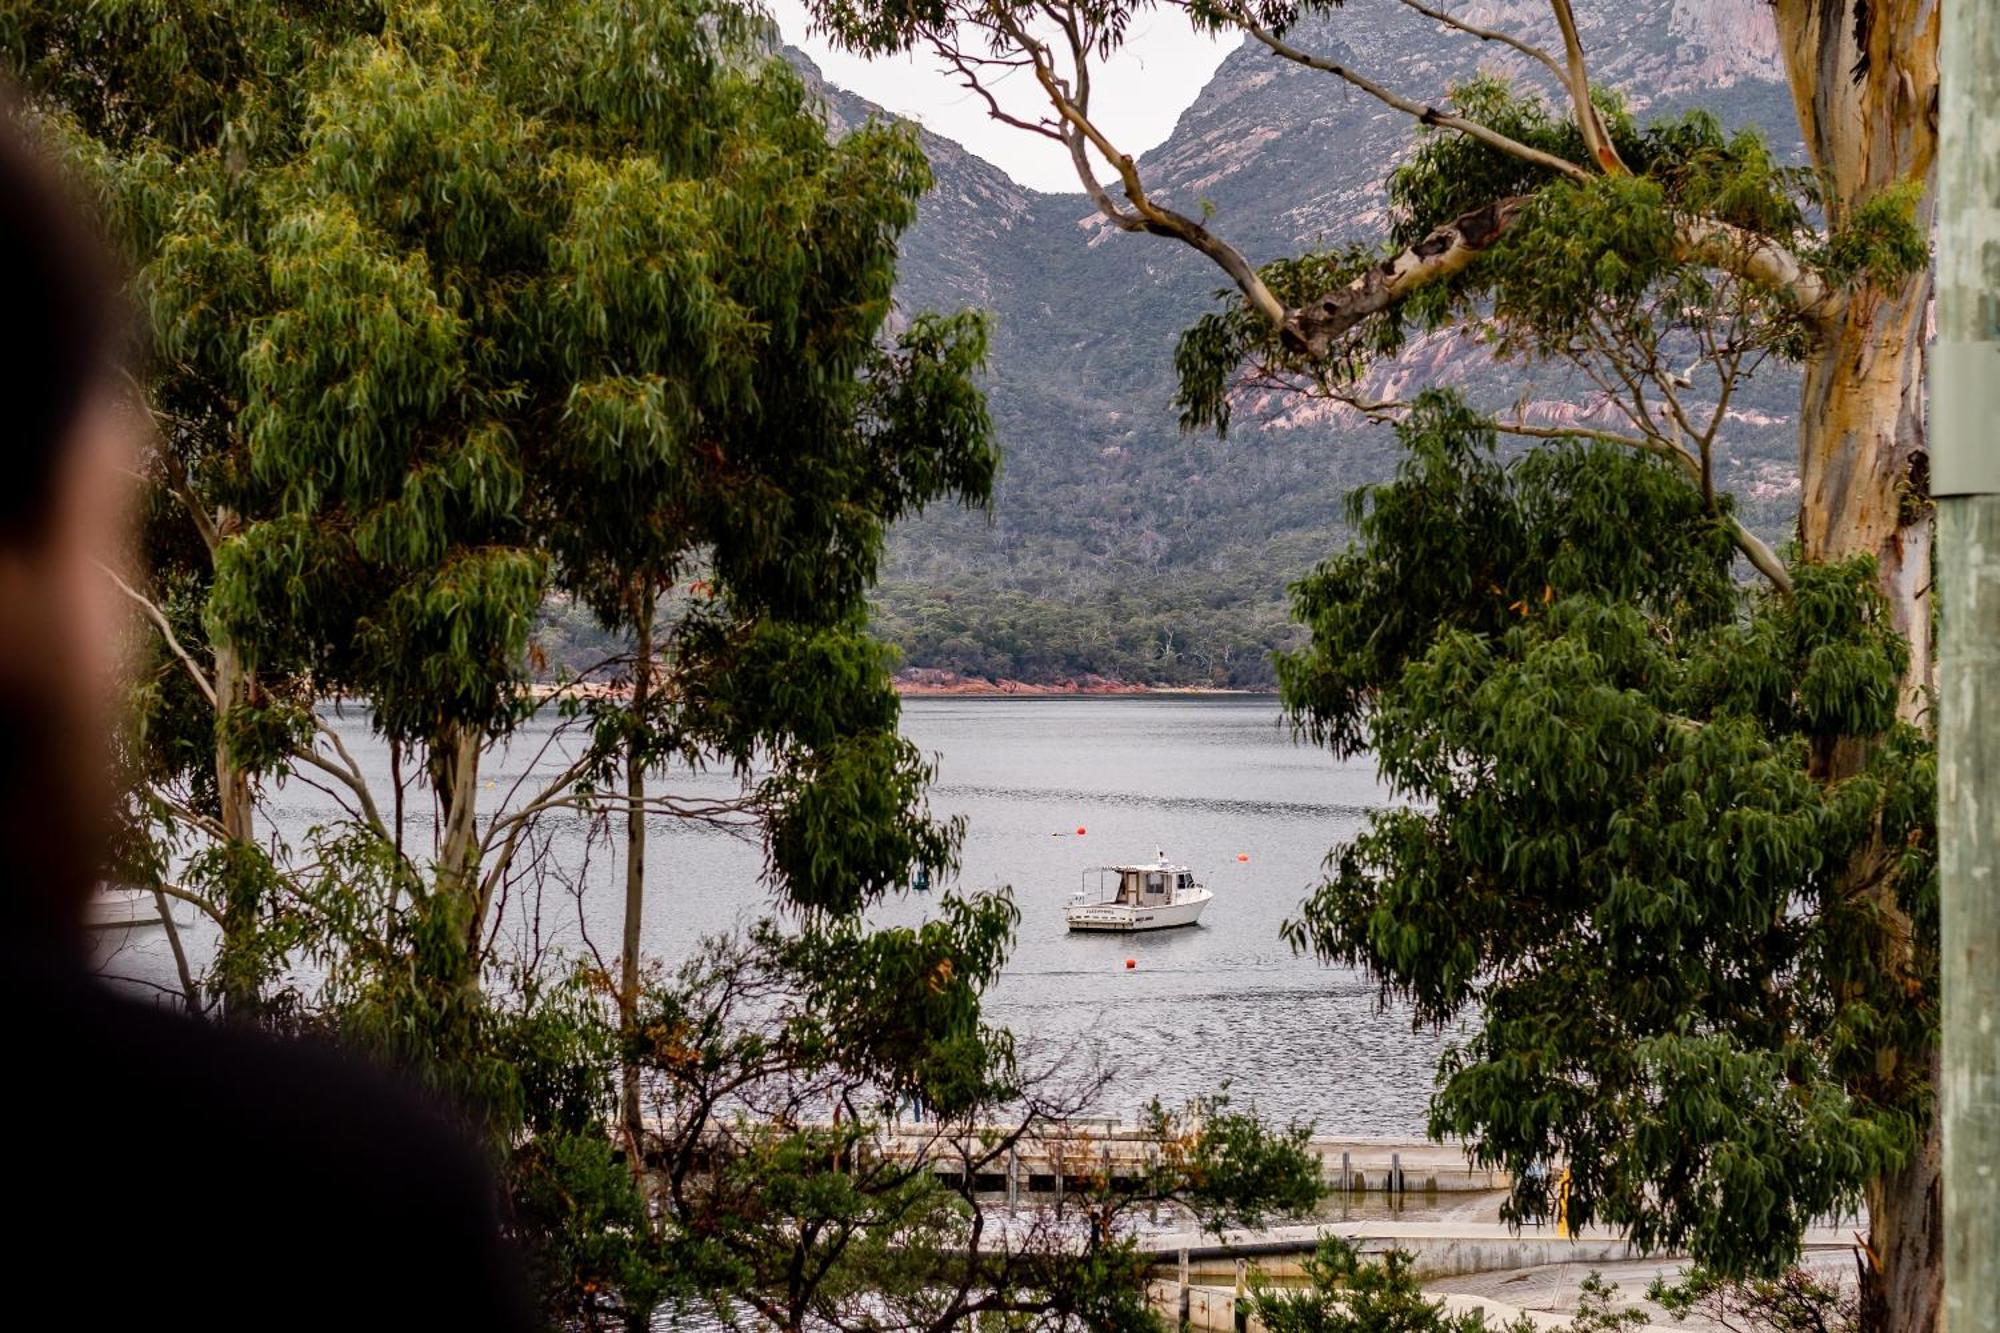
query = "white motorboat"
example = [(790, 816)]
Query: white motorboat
[(122, 907), (1159, 896)]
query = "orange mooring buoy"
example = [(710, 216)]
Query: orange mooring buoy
[(1131, 963), (1243, 856)]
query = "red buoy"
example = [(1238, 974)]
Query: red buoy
[(1131, 962), (1079, 830), (1243, 856)]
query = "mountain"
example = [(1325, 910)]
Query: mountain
[(1117, 546)]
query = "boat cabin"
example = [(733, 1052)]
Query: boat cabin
[(1153, 885), (1140, 885)]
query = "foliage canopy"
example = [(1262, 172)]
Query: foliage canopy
[(1621, 862)]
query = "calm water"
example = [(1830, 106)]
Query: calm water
[(1205, 780)]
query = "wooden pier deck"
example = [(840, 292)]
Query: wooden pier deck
[(1048, 1161)]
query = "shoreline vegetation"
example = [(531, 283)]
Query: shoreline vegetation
[(923, 683)]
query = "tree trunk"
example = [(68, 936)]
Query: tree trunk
[(1864, 473), (1864, 77), (242, 909), (455, 775), (635, 873), (190, 988), (1902, 1289), (1864, 81)]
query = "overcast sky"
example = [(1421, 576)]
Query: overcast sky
[(1136, 98)]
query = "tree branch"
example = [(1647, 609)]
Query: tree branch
[(1421, 112), (1577, 80), (190, 990), (207, 908), (1448, 250), (349, 777), (159, 619), (176, 470), (1730, 248), (1151, 216), (1528, 49), (1761, 557), (191, 817)]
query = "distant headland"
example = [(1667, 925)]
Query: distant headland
[(922, 681)]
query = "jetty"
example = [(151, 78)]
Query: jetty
[(1201, 1280), (1422, 1198), (1048, 1160)]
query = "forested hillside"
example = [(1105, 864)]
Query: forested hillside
[(1118, 546)]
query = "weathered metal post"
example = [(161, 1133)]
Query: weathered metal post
[(1965, 449), (1187, 1300), (1242, 1301), (1013, 1181), (1346, 1174)]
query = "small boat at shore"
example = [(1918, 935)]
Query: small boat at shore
[(1155, 896), (123, 907)]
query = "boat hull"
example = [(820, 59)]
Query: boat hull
[(128, 909), (1119, 918)]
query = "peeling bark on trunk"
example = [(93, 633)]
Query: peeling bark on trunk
[(1864, 472), (1863, 75), (1864, 79)]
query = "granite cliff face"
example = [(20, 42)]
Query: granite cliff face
[(1120, 547)]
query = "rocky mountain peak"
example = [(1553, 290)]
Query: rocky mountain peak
[(1117, 545)]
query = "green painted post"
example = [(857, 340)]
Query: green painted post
[(1965, 443)]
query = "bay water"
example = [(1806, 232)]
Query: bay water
[(1215, 782)]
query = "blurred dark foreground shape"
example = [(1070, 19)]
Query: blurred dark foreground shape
[(162, 1173)]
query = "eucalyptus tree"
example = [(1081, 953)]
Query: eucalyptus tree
[(737, 430), (427, 285), (1625, 867), (1663, 264), (175, 112)]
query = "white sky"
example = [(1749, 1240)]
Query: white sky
[(1136, 97)]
